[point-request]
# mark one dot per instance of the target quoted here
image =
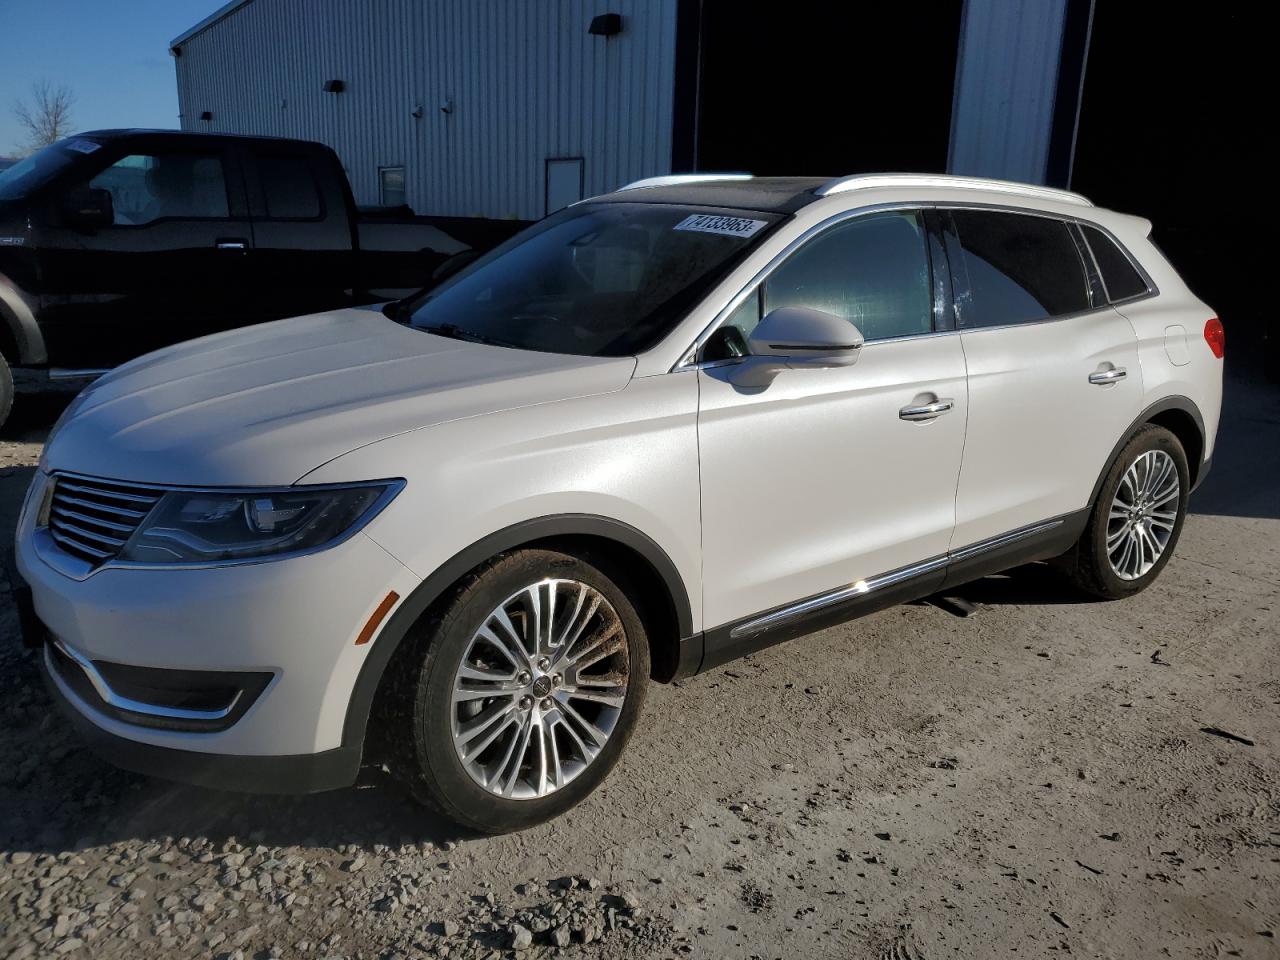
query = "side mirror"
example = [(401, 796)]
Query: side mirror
[(796, 338), (88, 208), (452, 265)]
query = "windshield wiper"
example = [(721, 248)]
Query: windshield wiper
[(455, 332)]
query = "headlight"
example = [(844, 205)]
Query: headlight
[(209, 526)]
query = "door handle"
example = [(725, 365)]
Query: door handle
[(231, 244), (927, 411), (1103, 377)]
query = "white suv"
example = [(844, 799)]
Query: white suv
[(658, 430)]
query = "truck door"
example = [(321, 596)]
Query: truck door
[(169, 266), (304, 258)]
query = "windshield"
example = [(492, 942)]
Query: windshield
[(601, 279), (19, 179)]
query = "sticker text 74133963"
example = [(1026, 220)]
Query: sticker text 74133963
[(727, 226)]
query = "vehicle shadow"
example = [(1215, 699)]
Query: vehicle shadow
[(1033, 584), (58, 796), (1246, 460)]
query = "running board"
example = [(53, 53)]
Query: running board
[(1036, 541)]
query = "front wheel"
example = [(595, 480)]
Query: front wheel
[(1137, 518), (6, 390), (515, 701)]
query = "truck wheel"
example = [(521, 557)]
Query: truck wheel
[(6, 390), (515, 699)]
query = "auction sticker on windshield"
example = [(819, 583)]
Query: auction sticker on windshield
[(728, 226)]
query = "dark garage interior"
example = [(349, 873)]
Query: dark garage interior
[(1164, 132), (840, 86)]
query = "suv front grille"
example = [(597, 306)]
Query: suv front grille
[(93, 519)]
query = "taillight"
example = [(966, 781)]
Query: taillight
[(1215, 337)]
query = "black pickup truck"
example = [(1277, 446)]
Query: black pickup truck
[(117, 242)]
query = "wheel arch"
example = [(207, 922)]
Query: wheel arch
[(1185, 424), (20, 339), (1180, 416), (662, 600)]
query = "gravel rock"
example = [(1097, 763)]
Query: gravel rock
[(521, 937)]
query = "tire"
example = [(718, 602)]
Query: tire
[(6, 390), (425, 732), (1112, 573)]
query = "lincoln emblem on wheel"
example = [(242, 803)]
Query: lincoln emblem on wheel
[(458, 536), (511, 736)]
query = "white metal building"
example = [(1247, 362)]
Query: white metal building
[(514, 108)]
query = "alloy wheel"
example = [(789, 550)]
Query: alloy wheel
[(1144, 513), (539, 690)]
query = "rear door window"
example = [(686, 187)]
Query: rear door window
[(1016, 268), (1119, 275), (289, 188)]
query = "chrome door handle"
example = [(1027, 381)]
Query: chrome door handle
[(231, 245), (926, 411), (1103, 377)]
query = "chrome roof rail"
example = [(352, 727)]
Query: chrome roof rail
[(872, 181), (675, 179)]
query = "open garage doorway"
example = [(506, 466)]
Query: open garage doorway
[(817, 88), (1172, 126)]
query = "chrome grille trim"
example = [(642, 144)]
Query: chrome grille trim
[(125, 528), (93, 519)]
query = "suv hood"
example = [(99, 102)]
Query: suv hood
[(267, 404)]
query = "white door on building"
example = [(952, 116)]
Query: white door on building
[(564, 182)]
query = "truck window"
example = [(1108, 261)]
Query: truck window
[(289, 188), (148, 187)]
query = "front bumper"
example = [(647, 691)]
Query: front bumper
[(299, 773), (291, 624)]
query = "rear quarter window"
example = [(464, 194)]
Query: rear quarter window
[(1019, 268), (1119, 275)]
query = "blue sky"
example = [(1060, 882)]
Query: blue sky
[(112, 54)]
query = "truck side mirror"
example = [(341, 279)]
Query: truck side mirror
[(87, 208)]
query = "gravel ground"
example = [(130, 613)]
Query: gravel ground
[(1035, 780)]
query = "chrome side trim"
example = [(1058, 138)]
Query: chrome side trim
[(821, 602), (61, 373), (689, 361), (816, 604), (1013, 536), (113, 699)]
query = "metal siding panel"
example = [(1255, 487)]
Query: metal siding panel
[(1005, 86), (527, 81)]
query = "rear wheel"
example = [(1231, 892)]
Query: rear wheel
[(1137, 518), (515, 702)]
